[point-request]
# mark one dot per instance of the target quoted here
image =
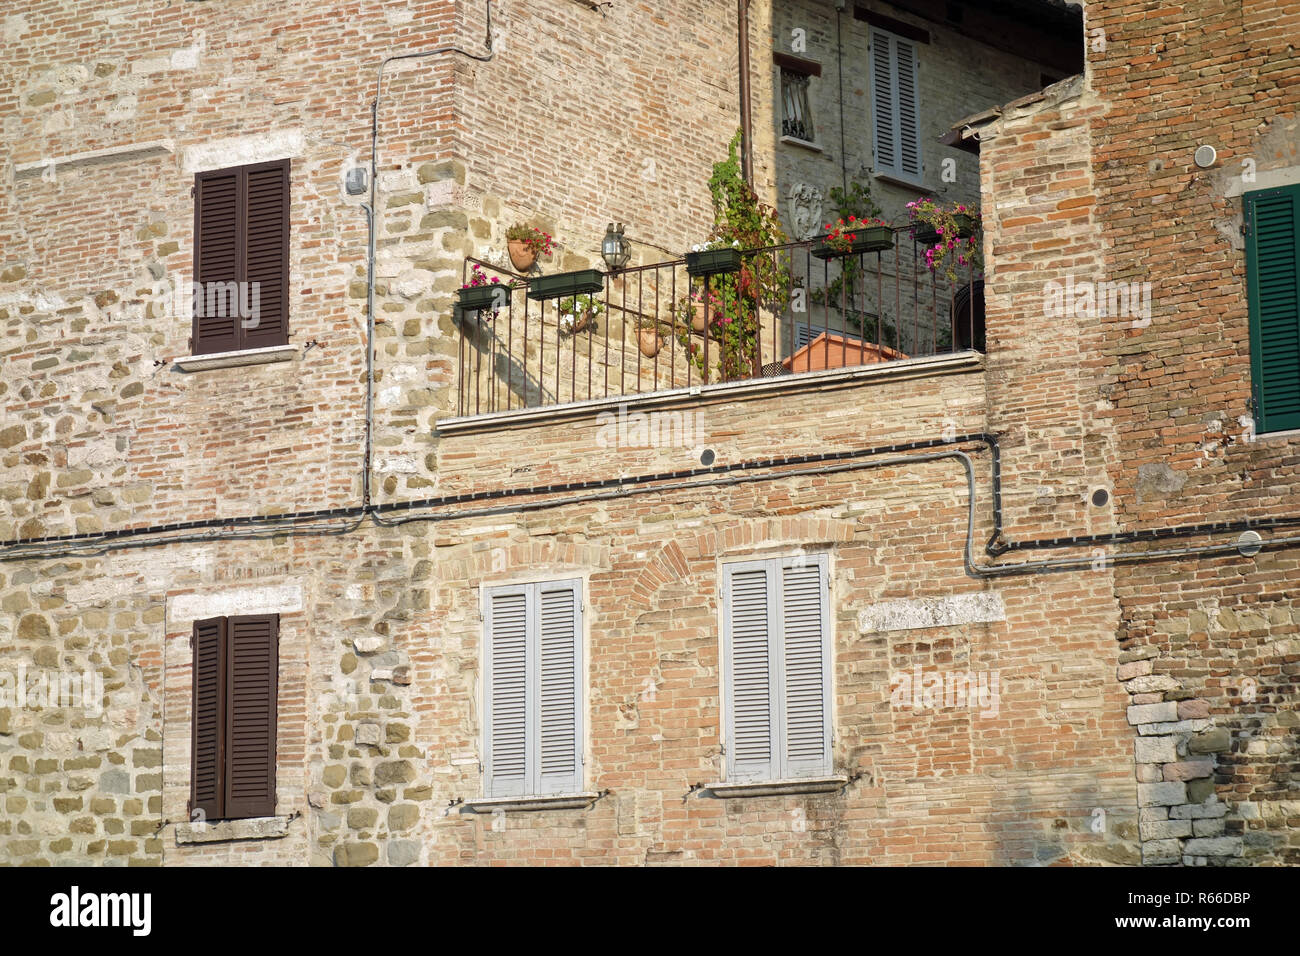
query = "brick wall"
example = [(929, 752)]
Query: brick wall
[(1178, 391)]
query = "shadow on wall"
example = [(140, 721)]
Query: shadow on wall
[(1072, 826)]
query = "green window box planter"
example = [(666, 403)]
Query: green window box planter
[(871, 239), (965, 226), (712, 262), (480, 297), (926, 236), (584, 281)]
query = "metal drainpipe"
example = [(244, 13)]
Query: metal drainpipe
[(746, 121), (839, 74), (373, 228)]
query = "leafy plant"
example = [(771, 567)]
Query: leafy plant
[(684, 312), (478, 277), (854, 206), (740, 220), (841, 235), (854, 202), (535, 239), (951, 250), (729, 325), (576, 306)]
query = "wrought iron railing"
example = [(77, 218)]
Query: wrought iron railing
[(786, 311)]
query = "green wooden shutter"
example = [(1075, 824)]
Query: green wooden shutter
[(1273, 288)]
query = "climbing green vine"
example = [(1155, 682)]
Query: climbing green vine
[(740, 220)]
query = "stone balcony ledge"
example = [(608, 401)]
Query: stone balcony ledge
[(943, 364)]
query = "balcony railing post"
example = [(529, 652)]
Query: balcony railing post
[(708, 329), (672, 326)]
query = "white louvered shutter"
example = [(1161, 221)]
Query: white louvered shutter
[(896, 106), (749, 597), (558, 736), (805, 691), (506, 710)]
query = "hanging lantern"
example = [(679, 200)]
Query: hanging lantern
[(614, 249)]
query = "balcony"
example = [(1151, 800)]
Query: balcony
[(791, 310)]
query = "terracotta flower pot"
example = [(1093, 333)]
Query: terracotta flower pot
[(648, 342), (697, 318), (522, 256), (575, 322)]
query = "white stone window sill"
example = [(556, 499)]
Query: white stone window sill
[(562, 801), (775, 788), (254, 828), (200, 363), (1287, 433), (902, 181), (802, 143)]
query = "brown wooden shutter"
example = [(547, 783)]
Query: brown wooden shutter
[(218, 259), (267, 253), (207, 790), (241, 229), (252, 664)]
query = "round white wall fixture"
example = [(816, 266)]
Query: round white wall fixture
[(1205, 156)]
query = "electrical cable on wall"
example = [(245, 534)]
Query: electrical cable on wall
[(694, 479)]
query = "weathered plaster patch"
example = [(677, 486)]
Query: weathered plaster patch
[(1155, 481), (14, 27), (977, 607), (242, 150), (282, 599), (1264, 179)]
